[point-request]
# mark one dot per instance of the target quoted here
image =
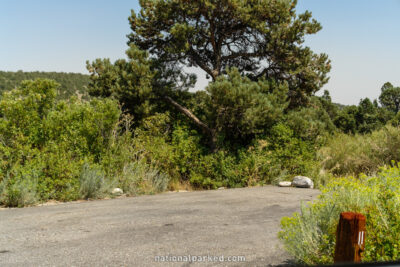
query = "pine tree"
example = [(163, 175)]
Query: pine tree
[(261, 38)]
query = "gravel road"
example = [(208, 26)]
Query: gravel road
[(149, 230)]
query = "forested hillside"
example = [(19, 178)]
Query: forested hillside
[(70, 83)]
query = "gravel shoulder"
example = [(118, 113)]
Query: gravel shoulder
[(134, 231)]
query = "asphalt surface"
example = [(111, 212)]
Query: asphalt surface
[(151, 230)]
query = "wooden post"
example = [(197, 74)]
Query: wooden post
[(350, 237)]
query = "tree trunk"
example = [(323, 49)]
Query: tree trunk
[(207, 130)]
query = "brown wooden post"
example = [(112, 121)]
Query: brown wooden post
[(350, 237)]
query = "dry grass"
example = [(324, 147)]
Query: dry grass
[(352, 155)]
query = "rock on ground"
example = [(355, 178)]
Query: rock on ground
[(117, 191), (285, 184), (302, 181)]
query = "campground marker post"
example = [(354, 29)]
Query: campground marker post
[(350, 237)]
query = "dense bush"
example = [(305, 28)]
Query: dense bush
[(19, 187), (354, 154), (177, 150), (311, 124), (242, 108), (61, 150), (127, 81), (93, 183), (310, 235), (138, 178), (65, 150), (364, 118)]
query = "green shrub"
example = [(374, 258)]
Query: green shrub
[(186, 150), (19, 188), (216, 170), (364, 118), (289, 153), (93, 183), (85, 127), (255, 165), (310, 235), (383, 219), (265, 163), (61, 169), (140, 178), (354, 154), (175, 150), (54, 138), (311, 124), (242, 108)]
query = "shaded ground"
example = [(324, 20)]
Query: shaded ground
[(133, 231)]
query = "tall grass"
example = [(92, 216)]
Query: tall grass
[(355, 154), (19, 189), (93, 183), (139, 177)]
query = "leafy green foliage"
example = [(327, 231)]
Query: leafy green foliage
[(177, 151), (311, 124), (289, 152), (70, 83), (127, 81), (47, 145), (346, 120), (368, 116), (258, 66), (326, 103), (364, 118), (310, 235), (216, 170), (257, 122), (390, 97)]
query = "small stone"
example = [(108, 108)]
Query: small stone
[(117, 191), (303, 182), (221, 188), (285, 184)]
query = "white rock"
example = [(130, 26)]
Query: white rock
[(285, 184), (221, 188), (302, 181), (117, 191)]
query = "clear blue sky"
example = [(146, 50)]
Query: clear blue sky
[(362, 38)]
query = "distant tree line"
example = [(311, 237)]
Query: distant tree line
[(368, 115), (70, 83)]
